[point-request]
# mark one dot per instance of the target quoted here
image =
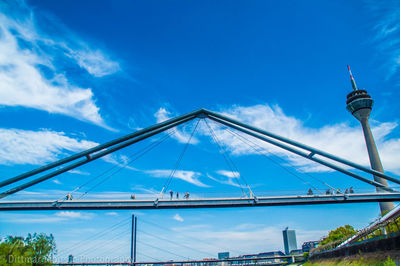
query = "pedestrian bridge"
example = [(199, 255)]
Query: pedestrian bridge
[(197, 203), (248, 199)]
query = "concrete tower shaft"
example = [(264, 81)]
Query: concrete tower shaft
[(359, 104)]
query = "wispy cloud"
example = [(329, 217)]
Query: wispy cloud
[(62, 216), (78, 172), (230, 178), (95, 62), (386, 21), (181, 136), (37, 147), (230, 174), (178, 218), (74, 215), (188, 176), (339, 139), (34, 66)]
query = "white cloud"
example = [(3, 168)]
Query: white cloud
[(78, 172), (73, 215), (95, 62), (178, 218), (181, 136), (229, 179), (37, 147), (56, 181), (111, 213), (386, 21), (338, 139), (62, 216), (229, 174), (188, 176), (25, 51)]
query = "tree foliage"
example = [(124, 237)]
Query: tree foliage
[(340, 233), (36, 249)]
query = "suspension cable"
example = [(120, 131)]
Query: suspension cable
[(158, 248), (180, 245), (137, 155), (177, 163), (99, 234), (222, 151), (230, 162), (246, 141), (188, 236)]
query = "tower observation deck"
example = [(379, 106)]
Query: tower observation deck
[(359, 104)]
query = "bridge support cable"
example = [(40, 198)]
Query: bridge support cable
[(177, 244), (303, 154), (164, 250), (147, 256), (177, 163), (93, 157), (312, 151), (137, 154), (107, 242), (131, 159), (89, 152), (98, 235), (229, 162), (158, 226), (262, 151)]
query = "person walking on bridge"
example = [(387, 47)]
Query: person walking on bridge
[(171, 193), (186, 195), (177, 195)]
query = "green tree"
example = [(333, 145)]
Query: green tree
[(36, 249), (340, 233)]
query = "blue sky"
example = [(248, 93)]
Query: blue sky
[(77, 73)]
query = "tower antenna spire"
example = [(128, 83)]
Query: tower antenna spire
[(353, 82)]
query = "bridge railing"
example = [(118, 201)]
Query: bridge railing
[(61, 195)]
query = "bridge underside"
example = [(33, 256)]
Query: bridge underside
[(197, 203)]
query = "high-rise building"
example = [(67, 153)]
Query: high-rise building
[(223, 255), (289, 240)]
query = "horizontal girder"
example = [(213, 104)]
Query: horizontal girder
[(196, 203)]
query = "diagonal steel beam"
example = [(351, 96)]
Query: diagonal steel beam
[(98, 148), (94, 157), (301, 153), (312, 150)]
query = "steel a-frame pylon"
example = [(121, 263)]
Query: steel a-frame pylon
[(101, 150)]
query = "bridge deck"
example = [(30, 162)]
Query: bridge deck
[(196, 203)]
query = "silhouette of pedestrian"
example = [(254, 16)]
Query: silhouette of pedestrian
[(171, 193), (328, 192), (177, 195), (186, 195), (133, 196), (309, 191), (351, 190)]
